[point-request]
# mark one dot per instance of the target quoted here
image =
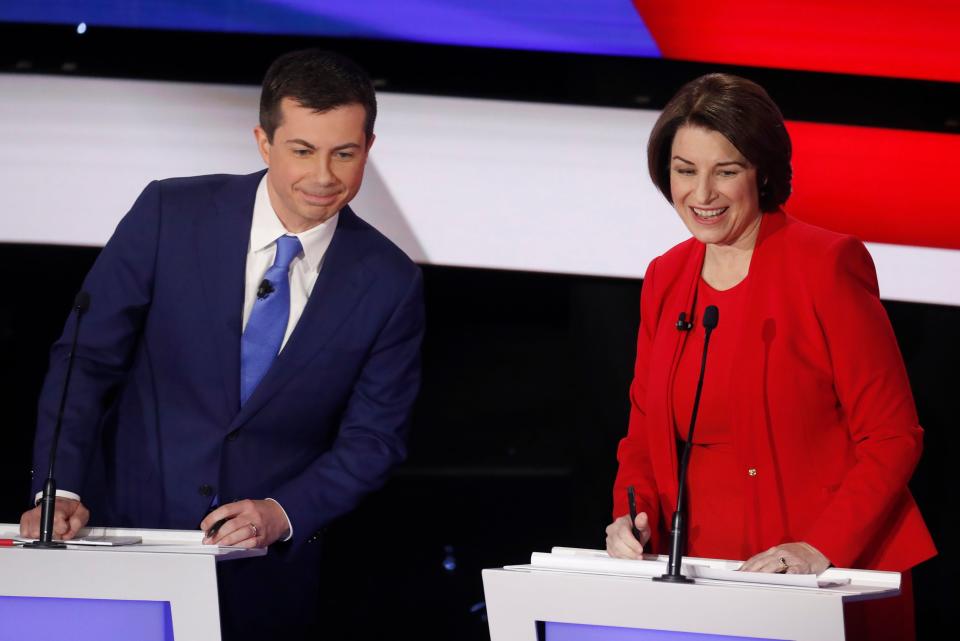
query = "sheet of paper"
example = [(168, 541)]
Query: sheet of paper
[(763, 578), (107, 540), (598, 561), (102, 541)]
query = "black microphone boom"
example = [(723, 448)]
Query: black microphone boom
[(49, 499), (711, 317)]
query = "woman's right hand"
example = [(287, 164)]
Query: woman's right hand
[(621, 544)]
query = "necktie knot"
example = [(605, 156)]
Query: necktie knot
[(288, 248)]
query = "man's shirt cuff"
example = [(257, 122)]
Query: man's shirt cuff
[(64, 494), (289, 524)]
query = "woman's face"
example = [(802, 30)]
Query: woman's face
[(714, 188)]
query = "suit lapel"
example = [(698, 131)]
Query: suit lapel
[(339, 287), (222, 242), (750, 339), (753, 437)]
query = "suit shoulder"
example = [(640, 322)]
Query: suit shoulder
[(672, 262), (813, 240), (819, 260), (377, 248), (209, 183)]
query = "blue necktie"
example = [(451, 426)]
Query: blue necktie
[(267, 324)]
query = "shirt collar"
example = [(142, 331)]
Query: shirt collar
[(266, 228)]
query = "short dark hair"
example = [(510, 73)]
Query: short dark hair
[(318, 80), (744, 114)]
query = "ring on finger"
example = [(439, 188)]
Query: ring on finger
[(256, 532)]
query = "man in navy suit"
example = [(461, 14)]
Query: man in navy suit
[(251, 353)]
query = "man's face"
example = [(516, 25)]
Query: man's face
[(315, 162)]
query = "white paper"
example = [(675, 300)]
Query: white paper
[(599, 562)]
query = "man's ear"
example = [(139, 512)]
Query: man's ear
[(263, 144)]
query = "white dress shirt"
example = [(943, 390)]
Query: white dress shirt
[(265, 229)]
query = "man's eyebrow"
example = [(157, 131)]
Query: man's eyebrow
[(300, 141), (304, 143)]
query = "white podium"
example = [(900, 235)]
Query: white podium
[(168, 567), (584, 594)]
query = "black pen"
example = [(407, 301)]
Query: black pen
[(216, 527), (632, 501)]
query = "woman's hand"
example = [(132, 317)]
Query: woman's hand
[(787, 558), (621, 544)]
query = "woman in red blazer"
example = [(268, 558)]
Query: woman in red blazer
[(807, 433)]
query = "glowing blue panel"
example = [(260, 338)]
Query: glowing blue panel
[(578, 632), (84, 619)]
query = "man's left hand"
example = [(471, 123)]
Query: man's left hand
[(788, 558), (250, 524)]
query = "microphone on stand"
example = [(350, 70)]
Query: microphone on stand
[(49, 499), (678, 532)]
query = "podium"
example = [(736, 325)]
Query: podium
[(162, 589), (585, 595)]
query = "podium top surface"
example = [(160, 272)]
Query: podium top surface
[(152, 542), (850, 584)]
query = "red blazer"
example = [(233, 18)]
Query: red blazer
[(825, 429)]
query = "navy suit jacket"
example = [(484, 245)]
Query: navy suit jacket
[(153, 425)]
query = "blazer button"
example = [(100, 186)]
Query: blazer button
[(234, 435), (752, 471), (205, 490)]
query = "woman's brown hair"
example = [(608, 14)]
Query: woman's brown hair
[(744, 114)]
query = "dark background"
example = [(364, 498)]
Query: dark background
[(525, 375)]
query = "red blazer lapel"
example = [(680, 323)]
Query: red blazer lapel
[(679, 297), (748, 387)]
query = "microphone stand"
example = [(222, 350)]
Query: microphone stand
[(711, 316), (49, 499)]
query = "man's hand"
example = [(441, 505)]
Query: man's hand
[(621, 543), (788, 558), (69, 516), (250, 524)]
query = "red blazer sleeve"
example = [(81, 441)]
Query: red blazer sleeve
[(874, 395), (633, 453)]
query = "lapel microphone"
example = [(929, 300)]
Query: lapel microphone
[(683, 324), (265, 289), (678, 529)]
